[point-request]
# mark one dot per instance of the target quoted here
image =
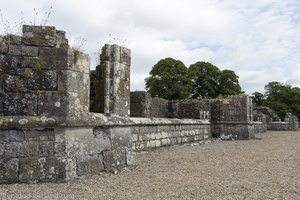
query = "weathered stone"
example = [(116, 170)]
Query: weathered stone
[(2, 148), (20, 50), (109, 161), (9, 168), (120, 138), (9, 64), (46, 148), (89, 165), (101, 139), (12, 39), (114, 88), (12, 135), (73, 141), (61, 41), (53, 103), (41, 169), (21, 149), (19, 104), (81, 61), (54, 58), (39, 135), (39, 36)]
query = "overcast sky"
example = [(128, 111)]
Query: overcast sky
[(258, 39)]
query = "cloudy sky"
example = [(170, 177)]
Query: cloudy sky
[(258, 39)]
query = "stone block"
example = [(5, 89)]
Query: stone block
[(70, 81), (9, 168), (3, 47), (29, 51), (89, 164), (109, 161), (46, 148), (19, 104), (101, 139), (12, 135), (2, 148), (73, 141), (32, 170), (12, 39), (53, 103), (120, 138), (10, 64), (29, 79), (39, 36), (81, 61), (21, 149), (54, 58), (39, 135)]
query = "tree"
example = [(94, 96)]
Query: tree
[(169, 79), (282, 98), (258, 98), (205, 79), (209, 82), (229, 83)]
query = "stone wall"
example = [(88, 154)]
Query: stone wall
[(41, 75), (142, 105), (272, 122), (232, 118), (148, 136), (46, 130)]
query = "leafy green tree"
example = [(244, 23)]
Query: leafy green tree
[(258, 98), (282, 98), (169, 79), (229, 83), (205, 79)]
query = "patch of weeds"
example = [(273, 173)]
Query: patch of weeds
[(38, 66), (76, 56), (2, 93), (25, 74)]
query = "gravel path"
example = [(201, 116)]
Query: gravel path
[(266, 168)]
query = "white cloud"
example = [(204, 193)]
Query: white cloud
[(258, 39)]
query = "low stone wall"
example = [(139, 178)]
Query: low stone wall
[(259, 127), (149, 136), (282, 126), (59, 154)]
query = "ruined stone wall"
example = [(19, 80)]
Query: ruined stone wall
[(232, 118), (41, 75), (112, 90), (273, 122), (46, 130), (142, 105)]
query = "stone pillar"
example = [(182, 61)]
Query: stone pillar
[(113, 86), (232, 118)]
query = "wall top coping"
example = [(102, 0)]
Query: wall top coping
[(90, 120)]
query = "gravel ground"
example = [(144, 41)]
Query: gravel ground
[(264, 168)]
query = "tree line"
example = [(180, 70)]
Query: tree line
[(280, 97), (171, 79)]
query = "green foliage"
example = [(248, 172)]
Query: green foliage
[(38, 66), (205, 78), (210, 82), (169, 79), (25, 74), (229, 83), (257, 98), (282, 98), (2, 92)]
